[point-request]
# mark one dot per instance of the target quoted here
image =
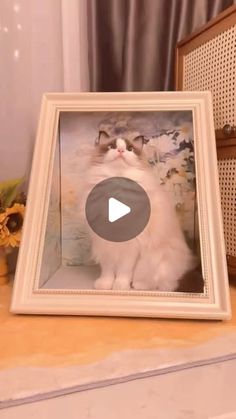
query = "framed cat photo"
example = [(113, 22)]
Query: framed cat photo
[(123, 213)]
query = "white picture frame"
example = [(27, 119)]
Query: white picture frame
[(212, 303)]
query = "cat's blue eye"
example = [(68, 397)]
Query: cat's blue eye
[(112, 146), (130, 148)]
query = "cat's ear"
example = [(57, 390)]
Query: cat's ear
[(139, 141), (103, 138)]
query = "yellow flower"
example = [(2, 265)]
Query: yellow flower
[(3, 228), (16, 209), (2, 216), (11, 225)]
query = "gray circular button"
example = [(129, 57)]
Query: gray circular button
[(117, 209)]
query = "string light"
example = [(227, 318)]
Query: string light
[(16, 54), (16, 8)]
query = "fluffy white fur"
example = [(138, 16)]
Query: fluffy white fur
[(158, 257)]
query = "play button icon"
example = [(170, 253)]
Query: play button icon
[(117, 209)]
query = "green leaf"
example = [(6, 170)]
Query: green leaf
[(10, 183), (8, 191)]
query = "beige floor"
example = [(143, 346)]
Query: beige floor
[(200, 393), (44, 341)]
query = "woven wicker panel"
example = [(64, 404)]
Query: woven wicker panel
[(227, 174), (212, 67)]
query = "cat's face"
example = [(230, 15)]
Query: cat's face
[(119, 149)]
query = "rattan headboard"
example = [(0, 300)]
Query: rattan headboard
[(206, 60)]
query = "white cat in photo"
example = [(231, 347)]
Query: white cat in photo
[(158, 257)]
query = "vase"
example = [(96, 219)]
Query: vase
[(4, 273)]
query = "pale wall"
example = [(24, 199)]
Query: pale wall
[(31, 63)]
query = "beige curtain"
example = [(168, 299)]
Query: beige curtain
[(132, 42)]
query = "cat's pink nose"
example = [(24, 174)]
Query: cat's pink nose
[(120, 150)]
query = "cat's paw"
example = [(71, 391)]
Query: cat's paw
[(121, 284), (167, 286), (103, 283), (141, 285)]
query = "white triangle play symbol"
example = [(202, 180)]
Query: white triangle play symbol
[(117, 209)]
